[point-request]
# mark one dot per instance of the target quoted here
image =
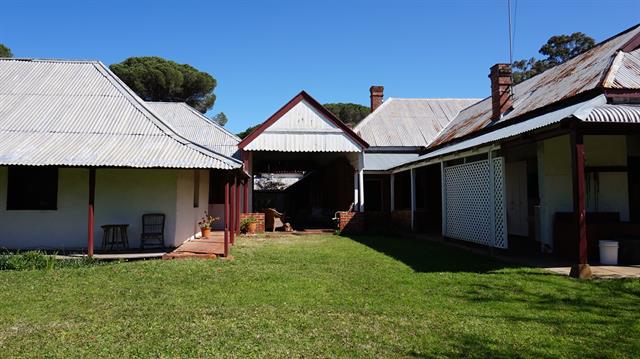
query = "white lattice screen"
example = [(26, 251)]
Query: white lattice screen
[(467, 196)]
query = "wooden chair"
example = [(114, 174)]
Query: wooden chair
[(271, 216), (152, 229)]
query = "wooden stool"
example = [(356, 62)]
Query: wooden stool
[(115, 234)]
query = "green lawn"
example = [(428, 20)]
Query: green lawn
[(317, 296)]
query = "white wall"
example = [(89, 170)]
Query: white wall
[(554, 181), (187, 216), (122, 196), (612, 195), (555, 178), (63, 228)]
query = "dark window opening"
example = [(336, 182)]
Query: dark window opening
[(196, 188), (32, 188), (216, 187)]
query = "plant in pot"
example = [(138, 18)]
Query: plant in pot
[(206, 224), (248, 225)]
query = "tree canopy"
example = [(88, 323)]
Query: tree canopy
[(221, 119), (5, 51), (246, 132), (557, 50), (349, 113), (156, 79)]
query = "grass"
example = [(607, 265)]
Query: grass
[(32, 260), (317, 296)]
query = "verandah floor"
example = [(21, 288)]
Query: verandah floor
[(207, 248)]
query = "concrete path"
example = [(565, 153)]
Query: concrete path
[(604, 272)]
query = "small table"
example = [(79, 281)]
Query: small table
[(115, 234)]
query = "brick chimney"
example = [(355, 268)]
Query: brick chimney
[(377, 93), (501, 82)]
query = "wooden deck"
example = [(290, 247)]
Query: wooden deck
[(205, 248)]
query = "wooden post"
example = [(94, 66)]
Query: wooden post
[(92, 199), (245, 205), (237, 214), (232, 208), (226, 216), (412, 191), (581, 269)]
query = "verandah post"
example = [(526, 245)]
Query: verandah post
[(226, 216), (581, 269), (232, 214), (245, 187), (92, 198), (237, 214)]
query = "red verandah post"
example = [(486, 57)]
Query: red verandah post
[(582, 269), (237, 215), (92, 198), (232, 216), (226, 216), (245, 205)]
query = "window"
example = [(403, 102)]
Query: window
[(216, 187), (196, 188), (32, 188)]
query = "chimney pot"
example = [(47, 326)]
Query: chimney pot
[(377, 94), (501, 82)]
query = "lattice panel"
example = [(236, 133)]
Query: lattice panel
[(500, 199), (467, 202)]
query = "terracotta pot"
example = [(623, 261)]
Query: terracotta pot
[(206, 232), (251, 228)]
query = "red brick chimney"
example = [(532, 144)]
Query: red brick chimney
[(377, 93), (501, 82)]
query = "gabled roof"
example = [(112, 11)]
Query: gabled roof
[(307, 127), (78, 113), (409, 122), (613, 63), (193, 125)]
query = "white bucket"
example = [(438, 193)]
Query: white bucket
[(608, 252)]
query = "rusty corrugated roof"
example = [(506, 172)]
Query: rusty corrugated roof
[(585, 72)]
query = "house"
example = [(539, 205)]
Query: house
[(79, 149), (549, 165), (541, 164)]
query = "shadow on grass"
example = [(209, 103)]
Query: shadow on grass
[(425, 256)]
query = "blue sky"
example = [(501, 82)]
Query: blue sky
[(264, 52)]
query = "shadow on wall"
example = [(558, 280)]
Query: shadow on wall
[(423, 256)]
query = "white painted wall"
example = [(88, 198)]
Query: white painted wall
[(122, 196), (555, 178), (187, 216), (554, 181), (65, 227), (613, 195)]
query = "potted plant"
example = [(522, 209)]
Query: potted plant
[(206, 223), (248, 225)]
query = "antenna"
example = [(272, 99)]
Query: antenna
[(511, 37)]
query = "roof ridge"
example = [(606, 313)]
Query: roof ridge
[(171, 132), (34, 59), (436, 98)]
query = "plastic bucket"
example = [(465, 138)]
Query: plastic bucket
[(608, 252)]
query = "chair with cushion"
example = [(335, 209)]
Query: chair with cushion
[(152, 230)]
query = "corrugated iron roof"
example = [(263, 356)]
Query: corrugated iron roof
[(409, 122), (582, 73), (193, 125), (383, 161), (615, 114), (78, 113), (303, 125), (582, 111)]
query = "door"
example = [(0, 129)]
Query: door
[(517, 211)]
